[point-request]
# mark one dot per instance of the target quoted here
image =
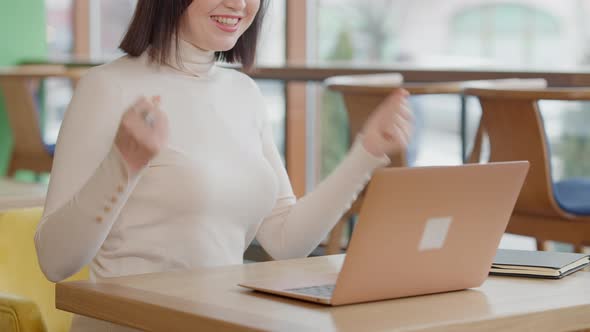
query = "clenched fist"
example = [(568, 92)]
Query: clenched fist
[(388, 129), (142, 133)]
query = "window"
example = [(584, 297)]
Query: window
[(508, 33), (59, 28), (513, 34), (56, 92), (108, 22), (494, 34)]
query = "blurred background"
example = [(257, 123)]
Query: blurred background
[(310, 123)]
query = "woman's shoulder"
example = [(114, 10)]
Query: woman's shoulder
[(237, 77), (107, 83), (111, 72), (244, 86)]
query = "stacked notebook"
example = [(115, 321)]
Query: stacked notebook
[(538, 264)]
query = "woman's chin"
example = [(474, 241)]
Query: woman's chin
[(224, 46)]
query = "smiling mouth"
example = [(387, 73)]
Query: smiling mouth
[(230, 22)]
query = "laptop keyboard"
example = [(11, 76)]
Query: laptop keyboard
[(317, 291)]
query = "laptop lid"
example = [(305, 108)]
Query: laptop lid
[(428, 229)]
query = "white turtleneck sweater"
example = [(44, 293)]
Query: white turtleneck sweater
[(218, 184)]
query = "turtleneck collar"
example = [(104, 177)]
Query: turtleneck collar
[(193, 60)]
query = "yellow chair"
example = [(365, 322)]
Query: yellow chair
[(19, 314), (27, 298)]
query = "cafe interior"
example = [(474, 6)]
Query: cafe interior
[(490, 82)]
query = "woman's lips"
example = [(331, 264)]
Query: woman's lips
[(226, 23)]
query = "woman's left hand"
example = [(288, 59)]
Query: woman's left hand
[(388, 129)]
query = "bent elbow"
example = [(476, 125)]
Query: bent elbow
[(53, 275), (50, 269), (280, 254)]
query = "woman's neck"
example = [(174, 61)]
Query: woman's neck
[(191, 59)]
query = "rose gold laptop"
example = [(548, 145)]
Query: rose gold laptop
[(421, 230)]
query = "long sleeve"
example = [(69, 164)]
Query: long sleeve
[(89, 183), (294, 228)]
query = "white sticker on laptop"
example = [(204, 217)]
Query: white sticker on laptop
[(435, 233)]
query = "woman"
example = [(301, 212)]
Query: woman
[(165, 161)]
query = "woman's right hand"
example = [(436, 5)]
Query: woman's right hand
[(142, 133)]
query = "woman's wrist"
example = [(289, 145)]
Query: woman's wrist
[(371, 146)]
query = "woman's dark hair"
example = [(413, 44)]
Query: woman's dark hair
[(156, 22)]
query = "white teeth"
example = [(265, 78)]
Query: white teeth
[(226, 20)]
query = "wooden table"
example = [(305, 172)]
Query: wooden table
[(18, 195), (208, 299), (318, 71), (41, 71), (18, 84)]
